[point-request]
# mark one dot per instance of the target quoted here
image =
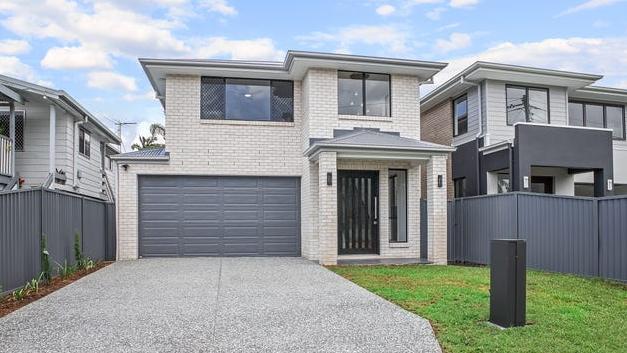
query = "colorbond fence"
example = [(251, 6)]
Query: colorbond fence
[(27, 215), (579, 235)]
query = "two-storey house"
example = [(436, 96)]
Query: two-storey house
[(47, 139), (529, 129), (316, 156)]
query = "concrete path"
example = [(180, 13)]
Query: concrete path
[(214, 305)]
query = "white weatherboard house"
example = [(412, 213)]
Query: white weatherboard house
[(318, 156), (48, 139)]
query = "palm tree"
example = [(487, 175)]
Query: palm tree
[(156, 130)]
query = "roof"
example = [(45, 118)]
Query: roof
[(293, 67), (369, 139), (482, 70), (147, 154), (603, 94), (62, 99)]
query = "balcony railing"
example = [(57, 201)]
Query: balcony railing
[(6, 156)]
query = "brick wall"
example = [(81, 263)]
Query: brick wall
[(437, 127)]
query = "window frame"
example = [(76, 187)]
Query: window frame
[(406, 207), (86, 151), (223, 83), (604, 105), (526, 103), (364, 96), (455, 119)]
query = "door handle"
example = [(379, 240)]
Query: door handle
[(376, 208)]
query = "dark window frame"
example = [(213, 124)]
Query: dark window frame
[(86, 148), (604, 105), (526, 103), (455, 119), (406, 206), (363, 90), (224, 84)]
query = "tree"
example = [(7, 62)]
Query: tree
[(156, 130)]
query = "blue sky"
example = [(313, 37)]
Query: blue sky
[(90, 48)]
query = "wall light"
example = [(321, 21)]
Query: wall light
[(440, 180), (329, 178)]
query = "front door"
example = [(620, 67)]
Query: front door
[(358, 212)]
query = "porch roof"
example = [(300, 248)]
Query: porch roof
[(369, 142), (147, 154)]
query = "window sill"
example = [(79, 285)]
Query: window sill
[(84, 155), (399, 245), (248, 123), (386, 119)]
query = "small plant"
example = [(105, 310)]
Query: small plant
[(30, 287), (65, 270), (46, 273), (20, 293), (78, 254)]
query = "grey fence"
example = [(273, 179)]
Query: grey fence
[(579, 235), (26, 216)]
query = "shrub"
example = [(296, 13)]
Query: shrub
[(65, 270)]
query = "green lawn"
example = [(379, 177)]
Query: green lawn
[(564, 313)]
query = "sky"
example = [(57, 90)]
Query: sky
[(90, 48)]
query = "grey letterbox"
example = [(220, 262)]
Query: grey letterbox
[(507, 282)]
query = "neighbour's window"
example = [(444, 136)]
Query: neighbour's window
[(527, 104), (459, 187), (598, 115), (5, 121), (460, 116), (84, 142), (246, 99), (361, 93)]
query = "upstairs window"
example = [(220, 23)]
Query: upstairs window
[(598, 115), (460, 116), (246, 99), (361, 93), (84, 142), (5, 122), (527, 104)]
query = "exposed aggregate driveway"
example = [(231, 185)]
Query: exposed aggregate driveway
[(214, 305)]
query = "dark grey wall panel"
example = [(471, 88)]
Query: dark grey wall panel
[(219, 216), (613, 238)]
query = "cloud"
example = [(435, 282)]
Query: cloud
[(463, 3), (605, 56), (436, 13), (387, 36), (254, 49), (13, 47), (131, 97), (588, 5), (111, 80), (14, 67), (76, 58), (385, 10), (219, 6), (454, 42)]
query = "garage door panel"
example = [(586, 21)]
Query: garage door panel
[(219, 216)]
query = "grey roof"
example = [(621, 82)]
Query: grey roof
[(376, 140), (156, 154)]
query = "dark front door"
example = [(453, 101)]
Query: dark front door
[(358, 212)]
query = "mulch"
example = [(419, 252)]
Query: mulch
[(8, 305)]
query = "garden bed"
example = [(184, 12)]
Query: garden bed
[(8, 304)]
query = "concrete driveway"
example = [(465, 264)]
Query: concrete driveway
[(214, 305)]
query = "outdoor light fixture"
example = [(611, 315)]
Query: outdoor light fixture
[(526, 182), (440, 180), (125, 166), (329, 178)]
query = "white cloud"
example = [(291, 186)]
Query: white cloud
[(254, 49), (111, 80), (13, 47), (219, 6), (131, 97), (386, 36), (75, 58), (14, 67), (436, 13), (385, 10), (622, 84), (589, 5), (463, 3), (454, 42)]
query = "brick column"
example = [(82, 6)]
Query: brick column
[(327, 209), (437, 210)]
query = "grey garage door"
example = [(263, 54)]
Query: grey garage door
[(219, 216)]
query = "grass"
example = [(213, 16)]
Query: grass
[(564, 313)]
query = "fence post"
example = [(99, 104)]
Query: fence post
[(516, 210)]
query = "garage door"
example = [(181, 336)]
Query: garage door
[(219, 216)]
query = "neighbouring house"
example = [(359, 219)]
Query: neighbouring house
[(318, 156), (529, 129), (47, 139)]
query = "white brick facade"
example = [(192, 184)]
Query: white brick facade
[(221, 147)]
